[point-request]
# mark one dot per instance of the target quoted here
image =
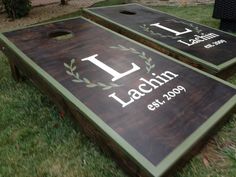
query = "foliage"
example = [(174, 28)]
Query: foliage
[(71, 71), (17, 8), (141, 55)]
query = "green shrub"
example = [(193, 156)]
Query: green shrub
[(17, 8)]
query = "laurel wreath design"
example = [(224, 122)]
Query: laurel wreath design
[(142, 55), (71, 70), (196, 28), (147, 29)]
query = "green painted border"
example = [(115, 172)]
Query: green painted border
[(208, 65), (162, 167), (38, 24)]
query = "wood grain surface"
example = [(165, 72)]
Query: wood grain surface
[(135, 21), (152, 133)]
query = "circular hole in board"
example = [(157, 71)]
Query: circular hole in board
[(60, 34), (127, 12)]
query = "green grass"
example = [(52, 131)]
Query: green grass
[(102, 3), (110, 2), (36, 141), (200, 14)]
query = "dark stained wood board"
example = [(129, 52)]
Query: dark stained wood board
[(143, 107), (206, 48)]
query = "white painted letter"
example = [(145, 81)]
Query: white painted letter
[(177, 33), (135, 94), (151, 107), (143, 90), (124, 104), (116, 75)]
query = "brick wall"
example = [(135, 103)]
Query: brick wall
[(158, 2), (174, 2), (1, 6)]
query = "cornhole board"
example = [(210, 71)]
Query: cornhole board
[(144, 108), (203, 47)]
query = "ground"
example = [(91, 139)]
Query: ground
[(43, 13), (35, 140)]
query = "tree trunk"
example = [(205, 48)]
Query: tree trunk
[(63, 2)]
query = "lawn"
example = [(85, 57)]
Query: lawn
[(36, 141)]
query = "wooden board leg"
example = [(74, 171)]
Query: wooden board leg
[(15, 72)]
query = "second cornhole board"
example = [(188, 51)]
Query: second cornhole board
[(206, 48), (144, 108)]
